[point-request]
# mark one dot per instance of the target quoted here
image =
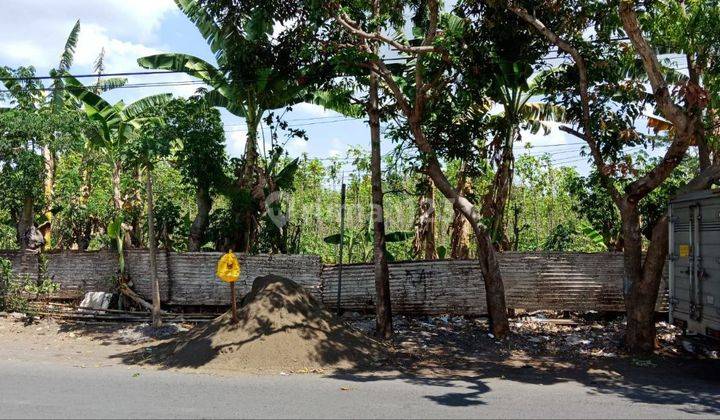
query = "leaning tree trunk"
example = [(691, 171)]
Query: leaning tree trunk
[(135, 204), (460, 234), (487, 256), (424, 242), (156, 319), (383, 309), (200, 224)]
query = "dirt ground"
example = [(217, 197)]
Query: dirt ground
[(422, 346)]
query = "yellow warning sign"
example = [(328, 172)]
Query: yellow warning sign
[(228, 268), (684, 250)]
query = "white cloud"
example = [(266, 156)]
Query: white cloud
[(34, 31), (297, 146), (554, 137), (236, 140), (313, 110)]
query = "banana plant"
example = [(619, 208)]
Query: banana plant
[(246, 92), (116, 233), (595, 237), (116, 124), (31, 95), (363, 239), (514, 91)]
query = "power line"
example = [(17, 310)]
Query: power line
[(239, 127), (567, 160), (557, 145), (328, 117), (139, 73), (94, 75), (126, 86)]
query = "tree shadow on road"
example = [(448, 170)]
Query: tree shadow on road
[(694, 386)]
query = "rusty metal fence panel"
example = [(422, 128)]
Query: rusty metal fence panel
[(533, 281)]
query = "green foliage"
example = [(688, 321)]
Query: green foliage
[(14, 290), (6, 276), (116, 233), (195, 134)]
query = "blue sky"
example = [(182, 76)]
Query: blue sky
[(34, 32)]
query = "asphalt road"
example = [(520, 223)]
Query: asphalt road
[(35, 390)]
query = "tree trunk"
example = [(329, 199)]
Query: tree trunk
[(424, 242), (135, 204), (383, 324), (645, 276), (118, 201), (156, 316), (200, 224), (517, 229), (496, 198), (248, 181), (487, 257), (49, 190), (83, 236), (25, 222), (641, 299), (704, 149), (116, 189), (460, 235)]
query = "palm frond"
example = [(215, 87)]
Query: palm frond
[(338, 100), (145, 106), (208, 28), (68, 54), (111, 83), (216, 99), (191, 65), (538, 115)]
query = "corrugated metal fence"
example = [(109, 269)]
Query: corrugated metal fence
[(551, 281)]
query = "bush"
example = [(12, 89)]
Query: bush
[(5, 278), (13, 289), (11, 299)]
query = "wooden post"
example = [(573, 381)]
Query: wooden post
[(156, 312), (342, 243), (233, 303)]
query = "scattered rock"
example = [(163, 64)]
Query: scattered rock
[(96, 300), (574, 340), (351, 315), (145, 332), (688, 346), (17, 315)]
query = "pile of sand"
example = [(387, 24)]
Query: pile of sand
[(282, 328)]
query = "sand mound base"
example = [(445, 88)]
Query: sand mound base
[(282, 328)]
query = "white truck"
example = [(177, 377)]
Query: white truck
[(694, 262)]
